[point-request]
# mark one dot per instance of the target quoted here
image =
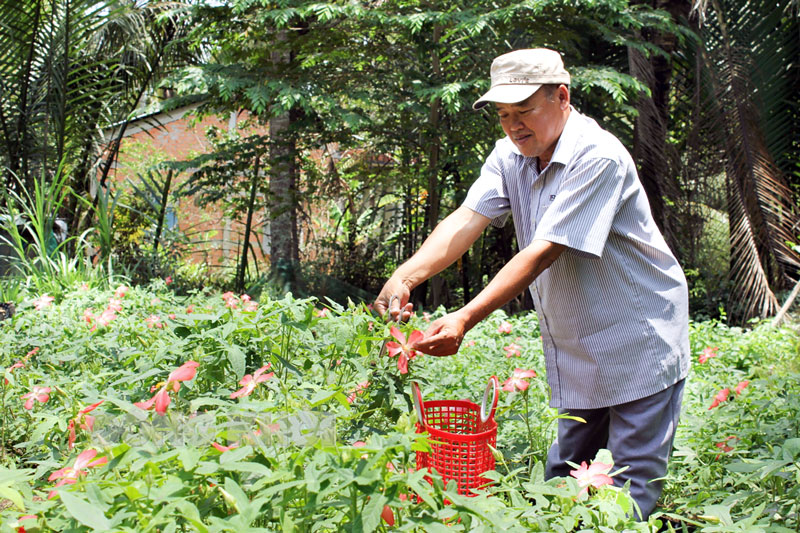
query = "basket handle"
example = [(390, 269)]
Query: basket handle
[(419, 405), (494, 384)]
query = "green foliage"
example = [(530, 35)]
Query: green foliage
[(289, 454)]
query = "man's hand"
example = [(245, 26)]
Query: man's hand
[(394, 299), (444, 336)]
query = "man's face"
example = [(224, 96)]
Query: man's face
[(535, 124)]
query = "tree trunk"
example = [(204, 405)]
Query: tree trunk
[(284, 250), (657, 163)]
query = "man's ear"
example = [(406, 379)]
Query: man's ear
[(563, 96)]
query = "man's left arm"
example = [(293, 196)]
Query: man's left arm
[(444, 335)]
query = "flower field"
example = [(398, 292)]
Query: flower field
[(134, 409)]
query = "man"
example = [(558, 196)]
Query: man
[(611, 298)]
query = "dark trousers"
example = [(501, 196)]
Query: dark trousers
[(639, 435)]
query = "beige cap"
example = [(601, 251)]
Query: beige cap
[(518, 74)]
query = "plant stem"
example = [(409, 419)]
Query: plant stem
[(527, 418)]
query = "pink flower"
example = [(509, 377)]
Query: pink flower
[(106, 317), (84, 421), (228, 295), (39, 394), (43, 302), (517, 380), (245, 297), (121, 291), (361, 387), (18, 364), (168, 280), (83, 287), (249, 382), (707, 354), (114, 304), (504, 327), (186, 372), (222, 449), (33, 352), (250, 307), (741, 386), (189, 309), (153, 322), (171, 316), (720, 397), (70, 475), (595, 476), (402, 349), (470, 343), (321, 313), (513, 350)]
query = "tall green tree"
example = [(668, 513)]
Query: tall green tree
[(397, 79)]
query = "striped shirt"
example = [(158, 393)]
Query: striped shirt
[(613, 308)]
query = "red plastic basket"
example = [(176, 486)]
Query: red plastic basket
[(460, 435)]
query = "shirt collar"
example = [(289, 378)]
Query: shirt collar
[(567, 139)]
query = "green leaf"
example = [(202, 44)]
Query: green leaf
[(237, 359), (13, 495), (83, 512), (370, 516)]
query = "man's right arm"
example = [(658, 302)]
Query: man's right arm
[(451, 238)]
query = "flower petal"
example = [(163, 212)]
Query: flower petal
[(397, 334)]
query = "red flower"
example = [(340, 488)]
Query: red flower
[(168, 280), (189, 309), (161, 399), (741, 386), (517, 380), (249, 382), (121, 291), (84, 421), (595, 476), (387, 515), (402, 348), (504, 327), (707, 354), (39, 394), (69, 475), (720, 397), (724, 445)]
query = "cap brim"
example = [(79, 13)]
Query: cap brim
[(506, 94)]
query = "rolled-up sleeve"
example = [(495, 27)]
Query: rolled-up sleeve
[(488, 195), (582, 213)]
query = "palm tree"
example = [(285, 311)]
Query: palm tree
[(731, 117), (69, 69)]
